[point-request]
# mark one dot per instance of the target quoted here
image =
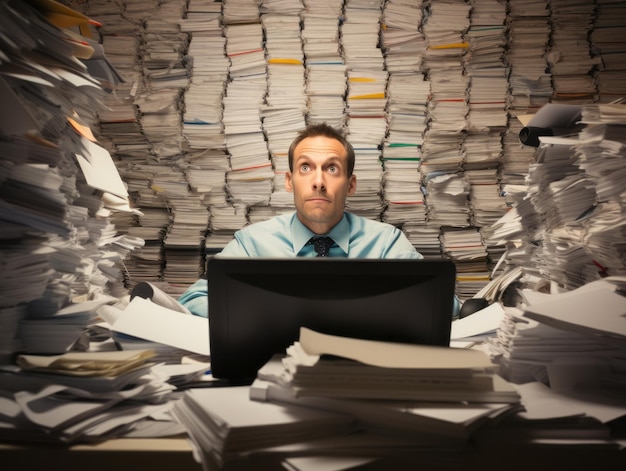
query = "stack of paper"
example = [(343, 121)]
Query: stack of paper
[(528, 34), (202, 115), (607, 38), (365, 103), (448, 105), (56, 332), (81, 396), (119, 124), (447, 199), (381, 370), (425, 238), (559, 191), (184, 236), (283, 116), (488, 204), (401, 154), (325, 66), (402, 39), (466, 248), (224, 221), (488, 72), (240, 11), (251, 176), (225, 424), (600, 146), (165, 74), (268, 422), (59, 186), (147, 262), (516, 159), (554, 340), (571, 61)]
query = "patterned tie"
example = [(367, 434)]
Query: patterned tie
[(322, 245)]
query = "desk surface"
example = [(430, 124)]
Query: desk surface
[(176, 454), (122, 454)]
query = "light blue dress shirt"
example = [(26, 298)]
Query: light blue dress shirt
[(284, 236)]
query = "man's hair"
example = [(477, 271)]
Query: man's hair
[(326, 130)]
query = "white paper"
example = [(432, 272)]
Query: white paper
[(484, 321), (100, 170), (144, 319)]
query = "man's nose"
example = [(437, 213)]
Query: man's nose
[(318, 181)]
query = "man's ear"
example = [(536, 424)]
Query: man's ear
[(352, 185), (288, 185)]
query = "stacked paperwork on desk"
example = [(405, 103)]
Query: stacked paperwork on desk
[(573, 341), (81, 396), (224, 422), (431, 392), (332, 366)]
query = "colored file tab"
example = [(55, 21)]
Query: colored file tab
[(367, 96), (284, 61), (462, 45), (362, 79)]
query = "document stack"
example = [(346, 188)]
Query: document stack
[(563, 351), (369, 369), (399, 401), (528, 34), (202, 114), (82, 397), (227, 426), (251, 176), (466, 248), (325, 66), (284, 113), (487, 117), (366, 101), (444, 62), (408, 93), (59, 186), (572, 63), (607, 28), (402, 40), (486, 67), (402, 154), (447, 199), (161, 53), (600, 154)]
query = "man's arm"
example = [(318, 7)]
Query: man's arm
[(195, 298)]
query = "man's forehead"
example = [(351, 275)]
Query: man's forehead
[(320, 145)]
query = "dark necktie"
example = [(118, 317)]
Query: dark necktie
[(321, 245)]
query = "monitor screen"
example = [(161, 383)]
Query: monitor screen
[(257, 305)]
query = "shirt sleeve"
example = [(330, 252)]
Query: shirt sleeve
[(400, 247), (235, 248), (195, 298)]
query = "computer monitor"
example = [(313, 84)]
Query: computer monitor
[(257, 305)]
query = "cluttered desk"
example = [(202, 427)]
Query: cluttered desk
[(324, 399)]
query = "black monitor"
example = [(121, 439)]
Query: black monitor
[(257, 305)]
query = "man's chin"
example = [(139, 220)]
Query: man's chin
[(319, 217)]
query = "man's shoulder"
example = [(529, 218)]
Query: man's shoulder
[(273, 224), (359, 222)]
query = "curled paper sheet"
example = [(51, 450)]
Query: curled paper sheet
[(552, 119)]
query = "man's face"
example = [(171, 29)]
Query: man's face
[(320, 182)]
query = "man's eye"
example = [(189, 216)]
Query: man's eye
[(305, 168), (333, 169)]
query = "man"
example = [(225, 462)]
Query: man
[(321, 162)]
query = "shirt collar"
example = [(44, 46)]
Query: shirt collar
[(301, 234)]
